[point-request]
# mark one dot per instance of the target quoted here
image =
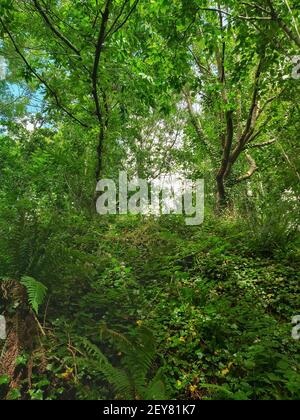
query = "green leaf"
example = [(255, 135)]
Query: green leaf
[(4, 380), (36, 292)]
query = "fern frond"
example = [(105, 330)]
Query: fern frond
[(116, 377), (131, 379), (93, 351), (36, 292), (120, 341), (141, 359), (156, 389)]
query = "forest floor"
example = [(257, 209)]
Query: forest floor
[(216, 300)]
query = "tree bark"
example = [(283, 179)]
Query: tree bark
[(221, 193)]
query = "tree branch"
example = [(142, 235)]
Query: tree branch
[(39, 77), (253, 168), (260, 145), (214, 9), (98, 51), (196, 123), (225, 158), (118, 17), (282, 24), (255, 6), (252, 116), (268, 101), (114, 30), (200, 66), (55, 30), (251, 121), (221, 56)]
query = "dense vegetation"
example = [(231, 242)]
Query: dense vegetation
[(140, 306)]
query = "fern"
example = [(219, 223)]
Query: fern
[(131, 381), (116, 377), (156, 388), (36, 292)]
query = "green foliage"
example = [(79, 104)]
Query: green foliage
[(138, 353), (36, 292), (201, 312), (274, 228)]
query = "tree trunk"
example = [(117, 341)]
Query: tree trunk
[(221, 195)]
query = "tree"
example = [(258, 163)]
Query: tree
[(68, 64), (238, 78)]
